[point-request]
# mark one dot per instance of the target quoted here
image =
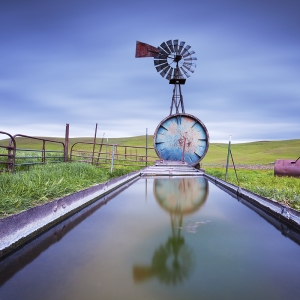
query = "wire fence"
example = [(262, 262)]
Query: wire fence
[(109, 155), (102, 155), (13, 158)]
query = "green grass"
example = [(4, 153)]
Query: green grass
[(261, 182), (41, 184), (263, 152), (264, 183)]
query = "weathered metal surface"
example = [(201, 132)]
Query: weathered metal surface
[(287, 167), (145, 50), (171, 168), (171, 133), (11, 153)]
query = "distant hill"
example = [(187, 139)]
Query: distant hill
[(261, 152)]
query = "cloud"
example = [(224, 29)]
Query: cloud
[(73, 62)]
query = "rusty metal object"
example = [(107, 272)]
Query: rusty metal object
[(11, 153), (80, 153), (44, 157), (66, 150), (145, 50), (171, 133), (287, 167), (179, 137)]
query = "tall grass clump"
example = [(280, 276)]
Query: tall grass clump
[(264, 183), (43, 183)]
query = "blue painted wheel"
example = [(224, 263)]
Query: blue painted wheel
[(181, 137)]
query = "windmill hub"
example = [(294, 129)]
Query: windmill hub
[(177, 58)]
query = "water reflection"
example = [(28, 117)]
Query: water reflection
[(173, 261)]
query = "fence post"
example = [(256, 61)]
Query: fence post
[(44, 152), (112, 159), (66, 156), (106, 150), (146, 147), (228, 158), (94, 143)]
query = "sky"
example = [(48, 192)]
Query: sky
[(64, 61)]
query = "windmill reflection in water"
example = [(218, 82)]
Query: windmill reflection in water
[(173, 261)]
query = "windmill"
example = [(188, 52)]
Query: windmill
[(180, 136)]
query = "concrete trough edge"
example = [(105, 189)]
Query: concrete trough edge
[(281, 211), (17, 229)]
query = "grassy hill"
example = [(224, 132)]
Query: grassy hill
[(262, 152)]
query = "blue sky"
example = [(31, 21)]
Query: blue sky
[(74, 62)]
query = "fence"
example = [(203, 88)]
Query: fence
[(36, 156), (7, 154), (107, 154)]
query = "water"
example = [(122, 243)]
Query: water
[(178, 238)]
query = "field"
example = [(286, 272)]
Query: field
[(19, 191), (255, 153)]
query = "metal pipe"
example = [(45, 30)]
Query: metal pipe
[(66, 148), (228, 158), (146, 147), (287, 167), (100, 149), (112, 159), (234, 168), (94, 143)]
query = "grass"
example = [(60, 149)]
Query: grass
[(263, 182), (264, 152), (41, 184)]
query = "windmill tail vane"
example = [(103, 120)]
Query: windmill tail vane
[(172, 59)]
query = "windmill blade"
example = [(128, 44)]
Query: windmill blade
[(145, 50), (188, 53), (185, 72), (175, 43), (165, 71), (162, 51), (169, 75), (190, 58), (179, 74), (165, 47), (186, 48), (190, 64), (173, 60), (170, 45), (159, 68), (181, 47), (161, 56), (159, 61), (188, 68)]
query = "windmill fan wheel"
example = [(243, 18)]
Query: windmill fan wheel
[(174, 60)]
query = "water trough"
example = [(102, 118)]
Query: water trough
[(88, 251)]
